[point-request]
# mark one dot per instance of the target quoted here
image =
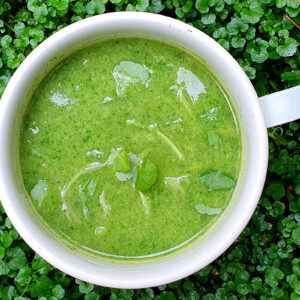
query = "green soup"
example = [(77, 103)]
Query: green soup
[(130, 148)]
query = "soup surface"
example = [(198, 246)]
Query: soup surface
[(130, 148)]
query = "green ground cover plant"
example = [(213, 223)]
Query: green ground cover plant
[(264, 262)]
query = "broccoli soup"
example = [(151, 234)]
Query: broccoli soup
[(130, 148)]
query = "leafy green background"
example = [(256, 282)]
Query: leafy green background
[(264, 262)]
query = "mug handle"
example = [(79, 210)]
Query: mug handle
[(281, 107)]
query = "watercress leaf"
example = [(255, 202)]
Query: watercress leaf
[(42, 287), (272, 276), (156, 6), (253, 14), (224, 43), (238, 42), (280, 3), (4, 269), (8, 292), (179, 12), (276, 190), (231, 2), (296, 236), (259, 55), (250, 71), (79, 8), (146, 175), (283, 33), (6, 239), (220, 33), (208, 19), (17, 258), (24, 276), (84, 287), (216, 180), (18, 28), (202, 6), (92, 296), (95, 7), (59, 4), (130, 7), (6, 41), (273, 42), (237, 25), (121, 162), (293, 3), (291, 76), (142, 5), (297, 187), (41, 266), (58, 291), (187, 7), (288, 48), (2, 252)]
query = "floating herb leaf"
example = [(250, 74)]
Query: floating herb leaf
[(92, 187), (146, 175), (39, 191), (213, 139), (134, 161), (216, 181), (121, 162), (203, 209)]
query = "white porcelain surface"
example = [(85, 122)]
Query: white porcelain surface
[(198, 254), (281, 107)]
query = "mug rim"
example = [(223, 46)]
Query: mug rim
[(25, 233)]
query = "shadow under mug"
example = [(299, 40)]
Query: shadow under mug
[(254, 114)]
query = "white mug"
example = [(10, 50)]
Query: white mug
[(255, 115)]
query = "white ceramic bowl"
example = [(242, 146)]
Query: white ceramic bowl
[(155, 271)]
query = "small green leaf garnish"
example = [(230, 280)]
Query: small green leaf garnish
[(146, 175), (91, 187), (217, 181), (203, 209), (213, 139), (121, 162), (134, 162), (39, 191)]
